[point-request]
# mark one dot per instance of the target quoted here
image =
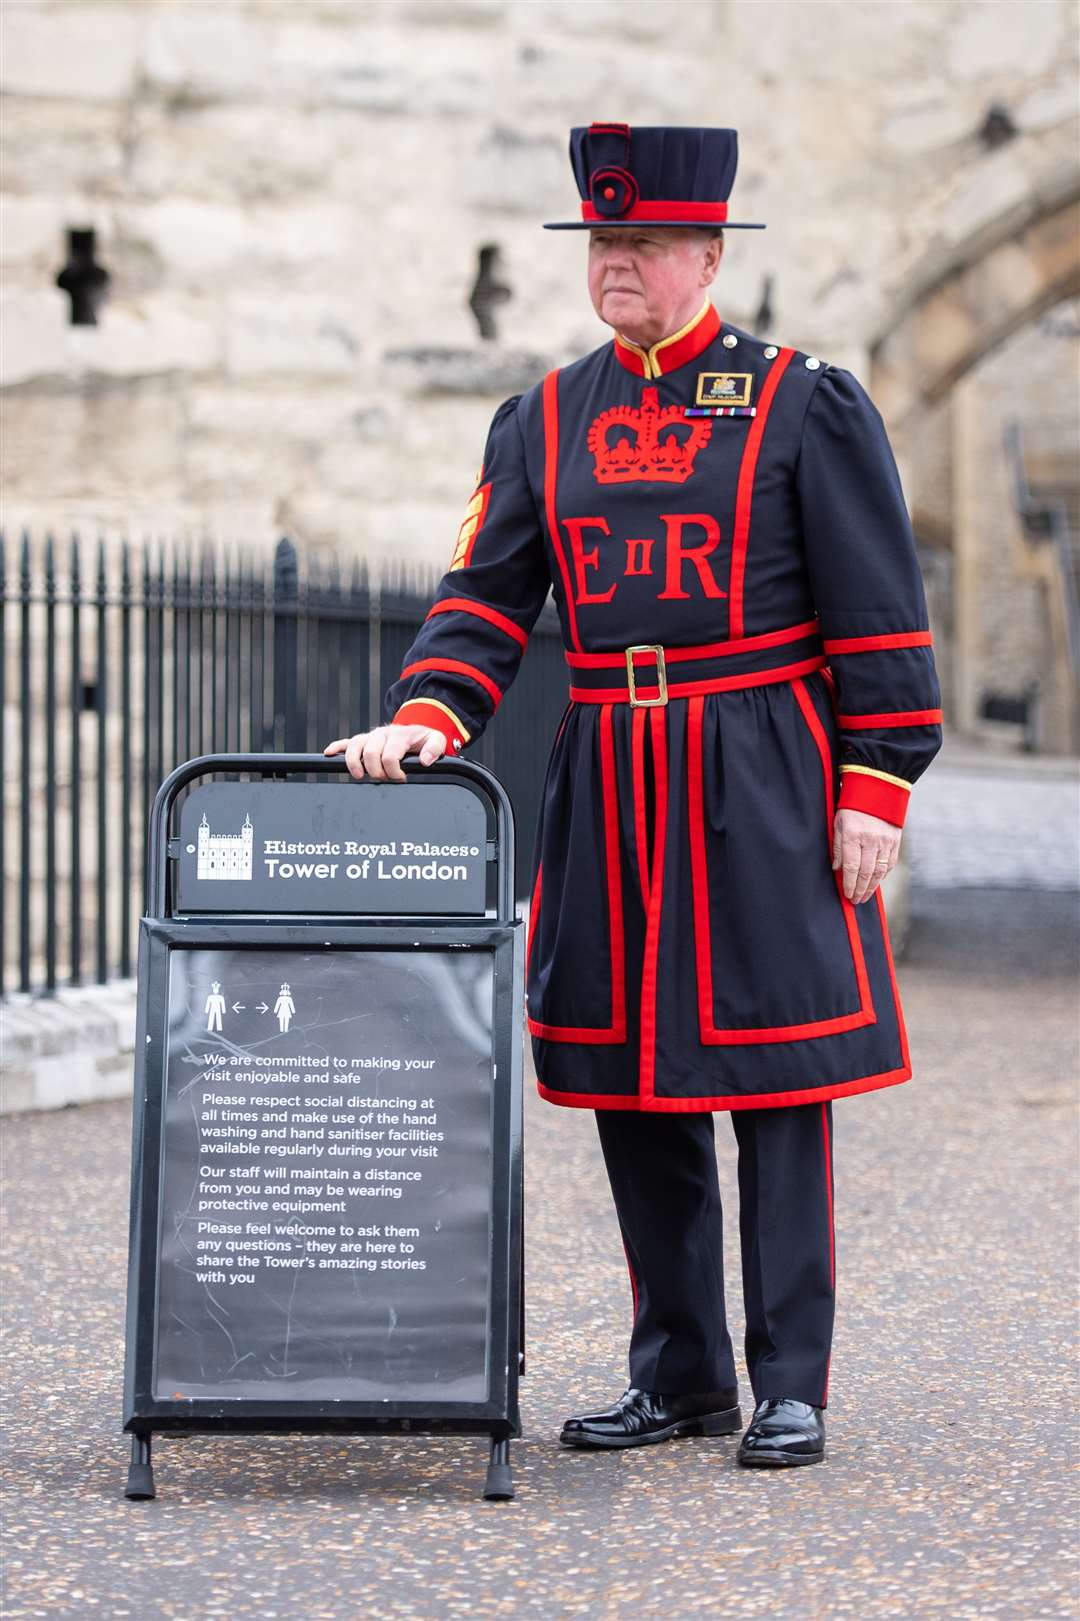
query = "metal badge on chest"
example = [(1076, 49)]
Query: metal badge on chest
[(722, 394)]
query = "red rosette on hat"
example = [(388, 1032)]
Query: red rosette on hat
[(613, 191)]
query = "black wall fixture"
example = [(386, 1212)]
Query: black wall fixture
[(82, 278), (997, 128), (489, 290)]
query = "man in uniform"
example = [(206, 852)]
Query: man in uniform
[(752, 694)]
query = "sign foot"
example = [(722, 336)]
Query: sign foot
[(499, 1485), (140, 1480)]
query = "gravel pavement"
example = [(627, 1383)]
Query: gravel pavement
[(948, 1489), (1008, 820)]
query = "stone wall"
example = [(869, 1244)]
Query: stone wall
[(290, 198), (1031, 380)]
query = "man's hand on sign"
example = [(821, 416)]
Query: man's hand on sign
[(866, 847), (379, 752)]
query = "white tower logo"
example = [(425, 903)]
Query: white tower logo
[(224, 855)]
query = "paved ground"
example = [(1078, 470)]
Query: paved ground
[(951, 1432), (980, 818)]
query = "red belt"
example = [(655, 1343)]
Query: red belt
[(684, 672)]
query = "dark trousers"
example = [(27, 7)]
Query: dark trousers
[(663, 1175)]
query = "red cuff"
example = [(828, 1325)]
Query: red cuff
[(430, 712), (877, 793)]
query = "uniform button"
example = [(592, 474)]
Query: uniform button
[(812, 362), (771, 352), (729, 340)]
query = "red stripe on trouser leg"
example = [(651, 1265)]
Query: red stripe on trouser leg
[(832, 1233)]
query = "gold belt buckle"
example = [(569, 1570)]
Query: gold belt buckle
[(661, 675)]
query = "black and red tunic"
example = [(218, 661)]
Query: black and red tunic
[(733, 511)]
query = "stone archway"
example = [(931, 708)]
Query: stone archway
[(968, 299), (960, 307)]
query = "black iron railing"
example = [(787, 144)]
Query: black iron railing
[(118, 662)]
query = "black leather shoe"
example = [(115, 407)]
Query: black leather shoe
[(783, 1432), (640, 1417)]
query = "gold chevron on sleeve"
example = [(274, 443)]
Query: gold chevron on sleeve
[(475, 513)]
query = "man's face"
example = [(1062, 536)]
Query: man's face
[(646, 284)]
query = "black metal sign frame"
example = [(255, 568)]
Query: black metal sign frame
[(163, 931)]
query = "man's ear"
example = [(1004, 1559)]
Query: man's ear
[(711, 263)]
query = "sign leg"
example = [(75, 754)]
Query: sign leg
[(140, 1480), (499, 1486)]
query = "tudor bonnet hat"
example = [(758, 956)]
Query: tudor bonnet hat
[(670, 176)]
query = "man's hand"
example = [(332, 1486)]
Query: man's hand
[(866, 847), (380, 751)]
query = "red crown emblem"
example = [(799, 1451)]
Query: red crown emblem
[(662, 457)]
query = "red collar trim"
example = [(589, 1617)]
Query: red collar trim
[(671, 352)]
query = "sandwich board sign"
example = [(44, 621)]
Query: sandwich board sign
[(326, 1217)]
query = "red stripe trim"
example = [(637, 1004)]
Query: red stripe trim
[(905, 1055), (457, 667), (482, 611), (647, 1060), (710, 1034), (737, 1100), (832, 1232), (551, 473), (813, 720), (745, 493), (616, 1031), (869, 644), (614, 874), (637, 761), (690, 689), (576, 1035), (534, 913), (899, 717), (421, 712), (703, 650), (534, 903), (875, 796), (655, 208), (829, 1195)]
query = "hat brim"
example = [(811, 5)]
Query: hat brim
[(652, 225)]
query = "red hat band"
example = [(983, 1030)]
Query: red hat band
[(645, 209)]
